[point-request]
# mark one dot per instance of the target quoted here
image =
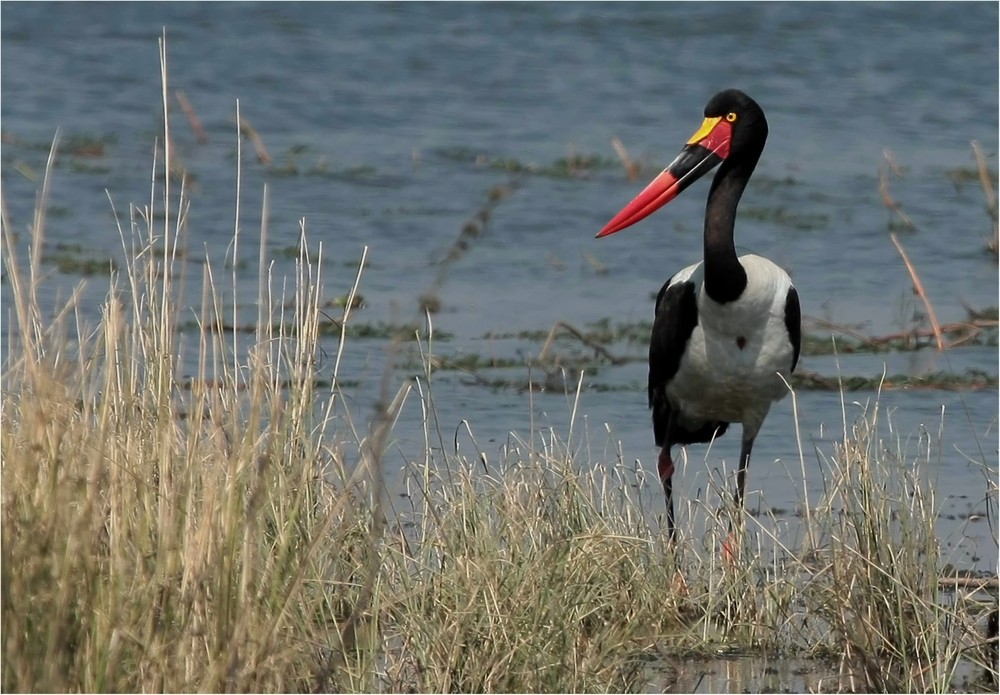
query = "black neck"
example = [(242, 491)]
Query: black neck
[(725, 278)]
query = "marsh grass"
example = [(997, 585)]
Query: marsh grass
[(229, 528), (164, 531), (876, 584), (527, 575)]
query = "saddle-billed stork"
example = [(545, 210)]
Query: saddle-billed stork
[(724, 328)]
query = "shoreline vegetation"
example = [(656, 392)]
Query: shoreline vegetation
[(231, 530)]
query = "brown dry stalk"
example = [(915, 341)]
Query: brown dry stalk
[(472, 229), (992, 583), (991, 199), (918, 287), (883, 188), (959, 333), (598, 267), (191, 116), (597, 347), (258, 142), (846, 330), (893, 165), (631, 166), (963, 332)]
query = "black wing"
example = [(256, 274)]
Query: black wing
[(793, 323), (675, 317)]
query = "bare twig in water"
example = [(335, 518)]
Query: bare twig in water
[(918, 287), (472, 228), (991, 199), (893, 165), (966, 331), (554, 261), (192, 117), (631, 166), (598, 267), (597, 347), (958, 334), (992, 583), (850, 332), (883, 188), (258, 142)]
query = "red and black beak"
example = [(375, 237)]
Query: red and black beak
[(706, 148)]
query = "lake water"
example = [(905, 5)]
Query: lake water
[(388, 125)]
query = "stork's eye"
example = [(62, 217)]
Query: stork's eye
[(731, 116)]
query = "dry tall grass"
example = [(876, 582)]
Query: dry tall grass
[(161, 531), (875, 582), (229, 530)]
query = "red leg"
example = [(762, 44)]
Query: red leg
[(729, 547), (665, 467)]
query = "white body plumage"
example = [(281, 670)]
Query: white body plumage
[(730, 365)]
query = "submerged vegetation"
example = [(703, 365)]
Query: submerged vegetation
[(232, 529)]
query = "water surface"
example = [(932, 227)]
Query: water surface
[(388, 125)]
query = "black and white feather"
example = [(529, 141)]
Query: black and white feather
[(727, 330)]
